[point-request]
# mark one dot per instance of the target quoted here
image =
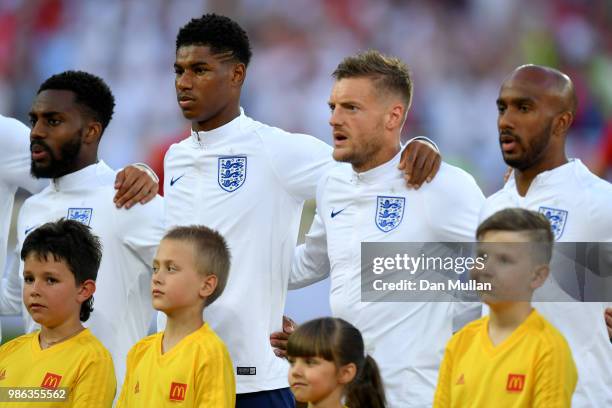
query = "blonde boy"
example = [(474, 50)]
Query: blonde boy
[(513, 357), (61, 261), (187, 364)]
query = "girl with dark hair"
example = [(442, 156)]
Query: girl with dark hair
[(329, 365)]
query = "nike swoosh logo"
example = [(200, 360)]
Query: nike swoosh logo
[(174, 180), (333, 214)]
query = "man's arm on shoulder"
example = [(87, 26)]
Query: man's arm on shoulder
[(420, 161), (136, 183)]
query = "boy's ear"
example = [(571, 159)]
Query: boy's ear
[(347, 373), (86, 290), (540, 274), (208, 286)]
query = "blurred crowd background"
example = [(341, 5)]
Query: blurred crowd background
[(459, 52)]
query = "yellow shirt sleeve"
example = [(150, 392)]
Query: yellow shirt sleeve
[(216, 385), (556, 378), (96, 387)]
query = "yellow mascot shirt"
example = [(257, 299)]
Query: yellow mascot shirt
[(197, 372), (533, 367), (80, 364)]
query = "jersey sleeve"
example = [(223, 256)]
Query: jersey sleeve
[(10, 287), (600, 216), (215, 384), (453, 205), (442, 397), (555, 377), (598, 282), (15, 155), (299, 161), (96, 385), (142, 228), (310, 260), (488, 209)]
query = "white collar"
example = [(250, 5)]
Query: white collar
[(85, 176), (558, 175), (385, 171), (211, 136)]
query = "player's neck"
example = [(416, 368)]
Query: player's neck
[(222, 118), (79, 165), (382, 156), (524, 178), (50, 336), (505, 318), (181, 324)]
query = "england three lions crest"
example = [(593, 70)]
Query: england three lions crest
[(557, 220), (232, 172), (389, 212), (82, 215)]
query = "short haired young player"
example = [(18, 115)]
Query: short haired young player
[(513, 357), (186, 363), (61, 261)]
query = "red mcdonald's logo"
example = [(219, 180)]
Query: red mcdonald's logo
[(178, 391), (51, 381), (516, 382)]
